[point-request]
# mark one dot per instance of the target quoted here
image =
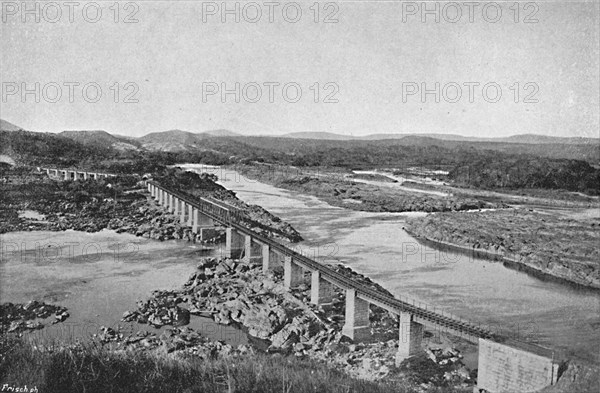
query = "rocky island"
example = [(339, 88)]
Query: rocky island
[(338, 190), (562, 248), (121, 204)]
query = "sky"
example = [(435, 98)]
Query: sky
[(350, 67)]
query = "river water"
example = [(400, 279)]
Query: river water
[(100, 275), (514, 303), (97, 276)]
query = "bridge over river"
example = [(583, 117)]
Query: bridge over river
[(504, 365)]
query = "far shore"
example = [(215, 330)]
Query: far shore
[(534, 248)]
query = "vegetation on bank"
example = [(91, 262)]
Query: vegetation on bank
[(97, 369), (344, 192), (527, 172), (563, 248), (504, 166), (78, 205), (116, 203)]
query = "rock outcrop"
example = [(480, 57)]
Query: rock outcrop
[(16, 318), (540, 243), (237, 294)]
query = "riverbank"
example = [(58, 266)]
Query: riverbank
[(541, 243), (97, 369), (121, 204), (337, 190)]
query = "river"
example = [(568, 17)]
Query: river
[(97, 276), (514, 303)]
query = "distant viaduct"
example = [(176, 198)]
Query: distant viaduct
[(74, 174)]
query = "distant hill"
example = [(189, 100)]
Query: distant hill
[(178, 140), (522, 138), (39, 148), (6, 126), (322, 145), (172, 140), (589, 151), (533, 139), (222, 133), (318, 135), (101, 138), (544, 139)]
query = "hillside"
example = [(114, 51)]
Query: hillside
[(487, 165), (101, 138), (221, 133), (35, 148), (587, 149), (319, 135), (303, 144), (518, 139), (310, 151), (172, 140), (7, 126), (178, 140)]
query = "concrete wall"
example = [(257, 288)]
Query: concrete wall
[(507, 369)]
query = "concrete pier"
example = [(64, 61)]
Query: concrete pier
[(321, 291), (356, 325), (182, 213), (190, 221), (234, 243), (410, 337), (195, 220), (266, 258), (247, 248), (176, 207), (292, 273)]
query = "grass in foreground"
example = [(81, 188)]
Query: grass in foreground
[(96, 369)]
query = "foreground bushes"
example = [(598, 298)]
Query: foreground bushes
[(93, 369)]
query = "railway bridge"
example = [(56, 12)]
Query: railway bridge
[(74, 174), (502, 367)]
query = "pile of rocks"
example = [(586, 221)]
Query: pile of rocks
[(181, 340), (451, 357), (20, 317), (162, 309), (235, 293), (267, 224)]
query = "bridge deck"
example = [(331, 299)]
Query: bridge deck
[(457, 326)]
